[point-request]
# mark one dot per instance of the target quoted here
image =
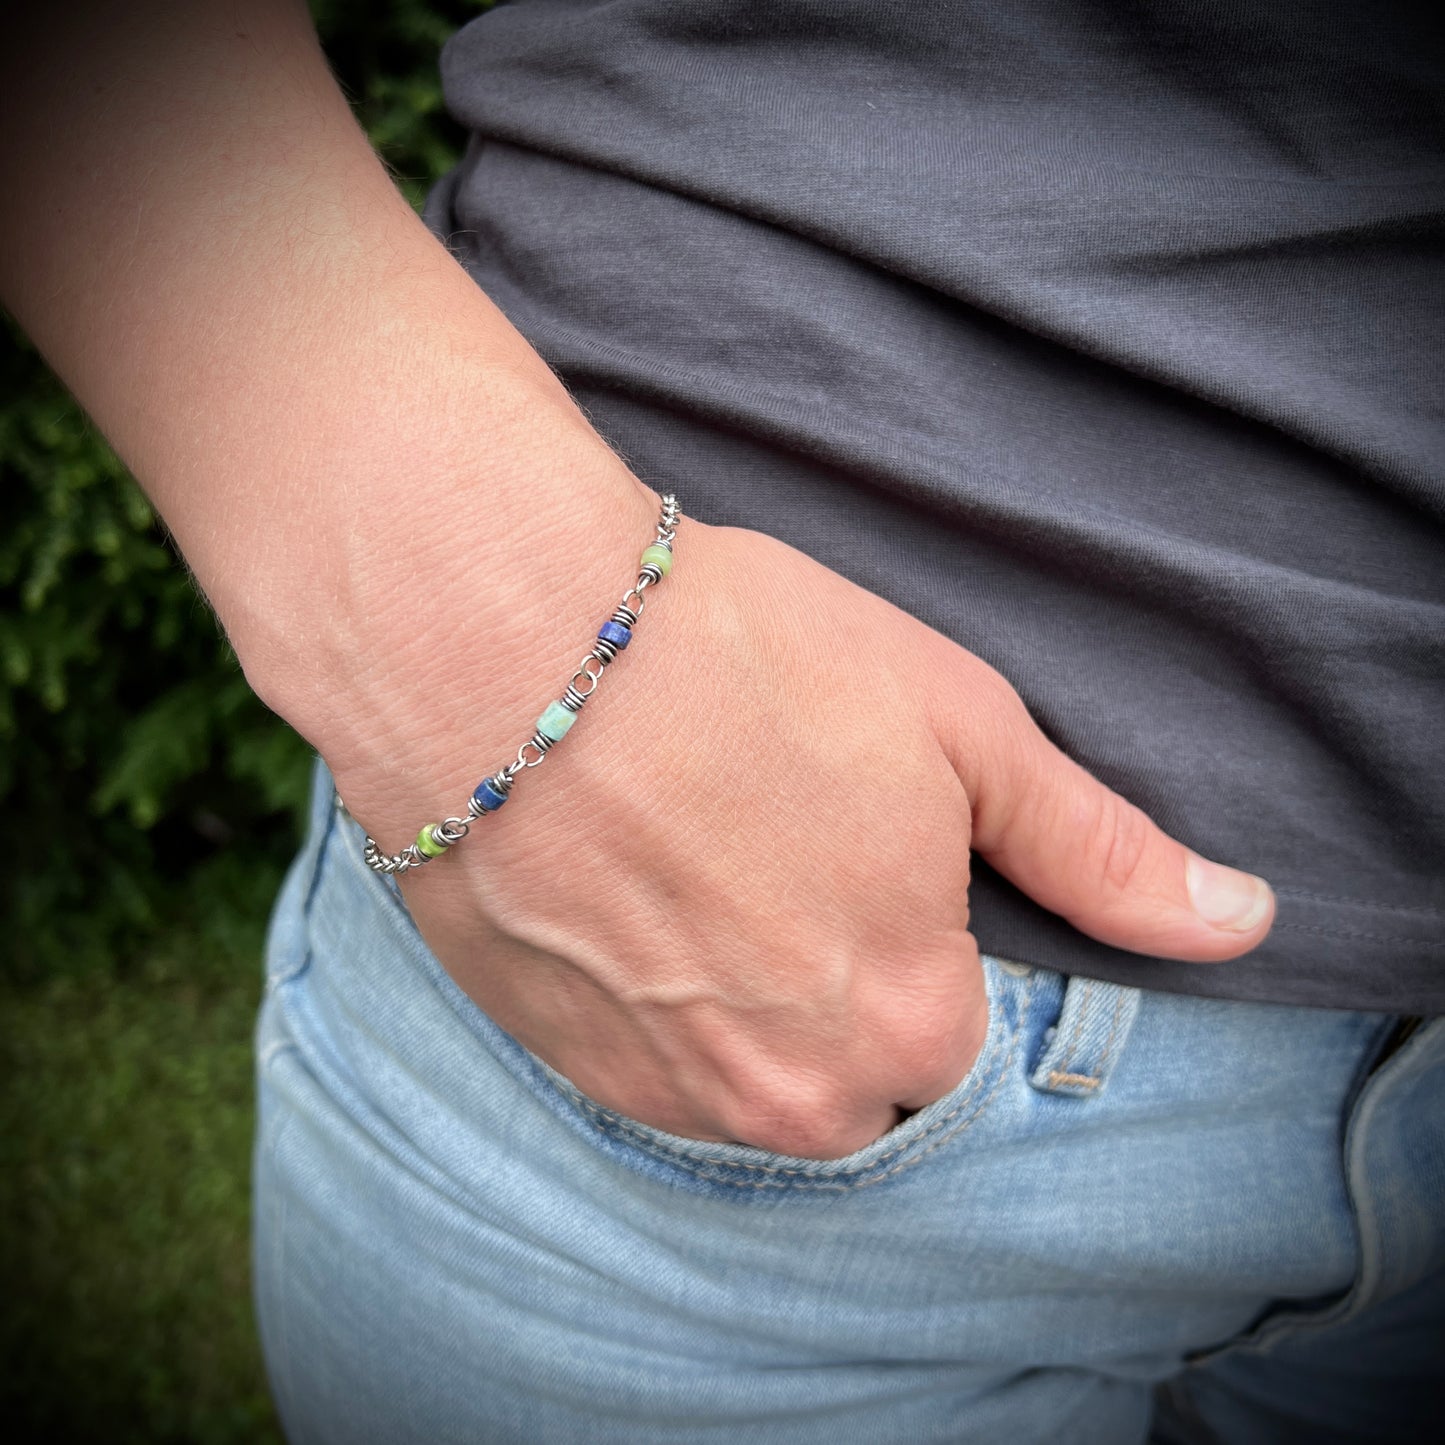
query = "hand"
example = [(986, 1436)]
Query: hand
[(733, 903)]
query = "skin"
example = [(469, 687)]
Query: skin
[(734, 904)]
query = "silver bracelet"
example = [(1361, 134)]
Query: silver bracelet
[(552, 726)]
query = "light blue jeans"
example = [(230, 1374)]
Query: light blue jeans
[(1140, 1217)]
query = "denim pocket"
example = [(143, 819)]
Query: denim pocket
[(745, 1168), (728, 1167)]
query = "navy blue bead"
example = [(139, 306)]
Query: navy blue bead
[(488, 797), (615, 633)]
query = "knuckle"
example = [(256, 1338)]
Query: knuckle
[(807, 1121), (1121, 837), (934, 1056), (967, 690), (924, 1039)]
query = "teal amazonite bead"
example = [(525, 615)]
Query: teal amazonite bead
[(555, 721), (427, 845), (659, 556)]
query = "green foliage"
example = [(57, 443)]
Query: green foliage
[(142, 787), (125, 1130), (385, 57), (133, 758), (148, 804)]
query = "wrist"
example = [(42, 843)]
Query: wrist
[(426, 627), (556, 719)]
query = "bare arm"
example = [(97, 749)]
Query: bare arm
[(203, 244), (407, 529)]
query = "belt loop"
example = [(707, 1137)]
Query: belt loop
[(1088, 1038)]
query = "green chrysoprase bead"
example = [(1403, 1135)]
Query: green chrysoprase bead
[(555, 721), (660, 555), (428, 846)]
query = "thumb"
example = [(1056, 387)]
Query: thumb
[(1098, 861)]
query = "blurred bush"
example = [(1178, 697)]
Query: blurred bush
[(148, 805), (143, 789)]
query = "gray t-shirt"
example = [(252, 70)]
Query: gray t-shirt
[(1104, 338)]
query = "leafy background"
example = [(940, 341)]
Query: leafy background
[(148, 807)]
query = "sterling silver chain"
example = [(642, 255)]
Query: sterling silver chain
[(580, 686)]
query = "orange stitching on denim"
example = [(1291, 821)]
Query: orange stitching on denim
[(622, 1126), (814, 1180), (939, 1143), (1113, 1032), (1079, 1081), (1079, 1018)]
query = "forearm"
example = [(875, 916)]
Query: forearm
[(325, 409)]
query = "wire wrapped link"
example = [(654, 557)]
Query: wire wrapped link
[(499, 782), (441, 837), (397, 863), (593, 678), (522, 755)]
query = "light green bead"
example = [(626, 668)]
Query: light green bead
[(427, 845), (555, 721), (659, 555)]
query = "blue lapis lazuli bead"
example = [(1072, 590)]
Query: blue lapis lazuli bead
[(488, 797), (615, 633)]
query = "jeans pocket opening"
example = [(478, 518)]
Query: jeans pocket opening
[(749, 1170), (733, 1167)]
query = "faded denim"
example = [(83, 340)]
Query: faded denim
[(1231, 1209)]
